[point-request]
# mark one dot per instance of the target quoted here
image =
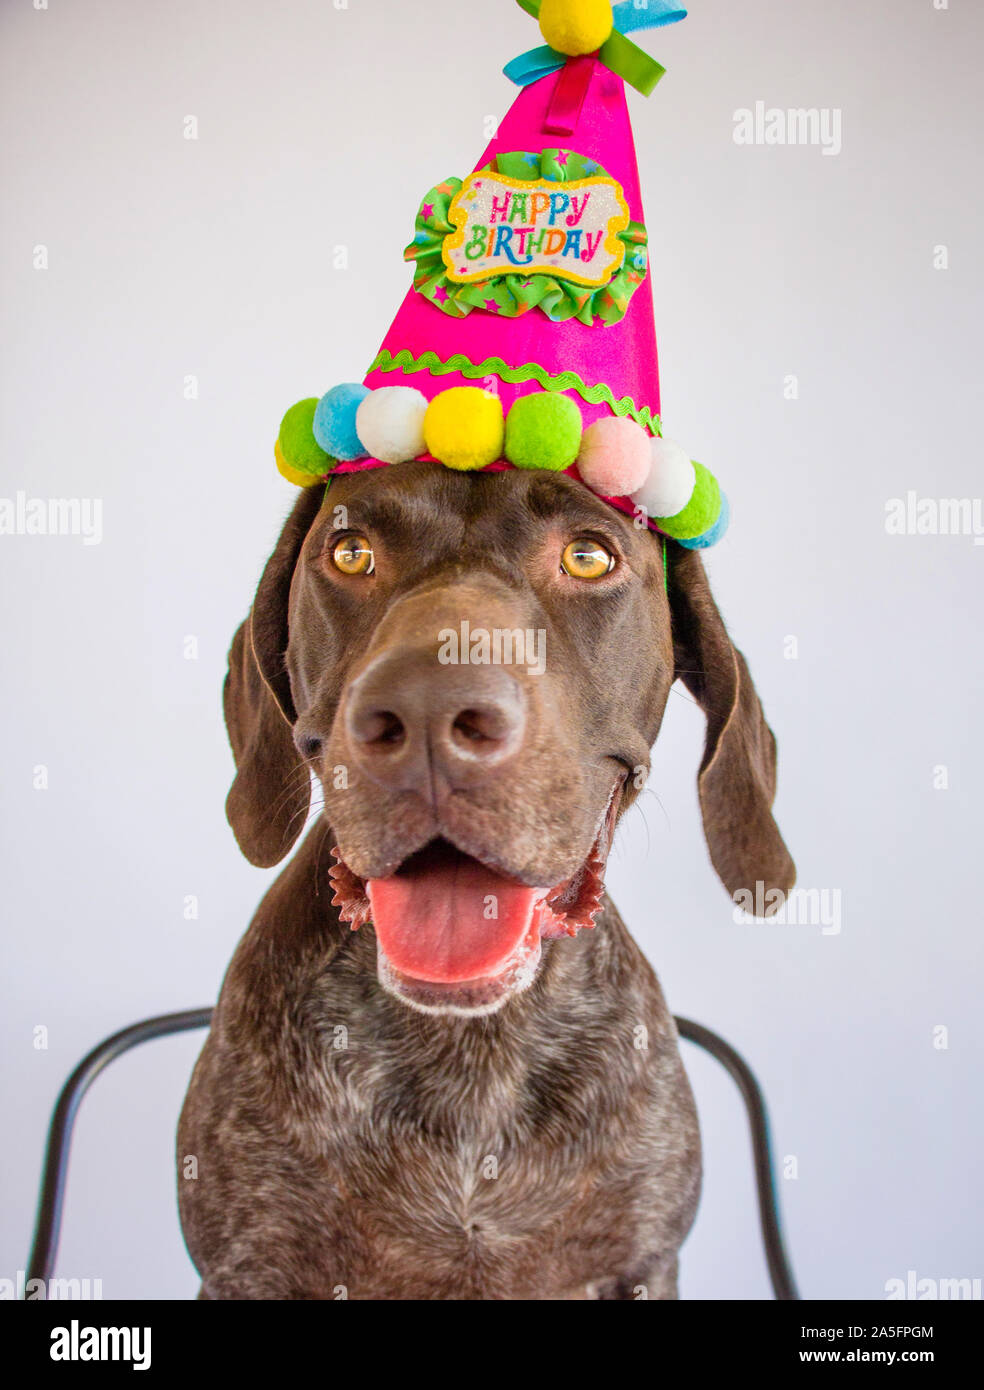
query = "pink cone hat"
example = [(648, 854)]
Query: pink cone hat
[(621, 355), (502, 315)]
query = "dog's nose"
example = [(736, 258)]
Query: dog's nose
[(414, 725)]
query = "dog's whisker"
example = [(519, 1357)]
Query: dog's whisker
[(277, 804), (651, 791), (326, 837), (704, 708), (294, 787)]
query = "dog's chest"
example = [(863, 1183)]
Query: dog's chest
[(370, 1153), (473, 1188)]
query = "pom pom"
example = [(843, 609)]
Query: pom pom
[(576, 26), (671, 480), (464, 427), (294, 475), (712, 536), (298, 446), (334, 422), (700, 513), (543, 431), (614, 458), (390, 424)]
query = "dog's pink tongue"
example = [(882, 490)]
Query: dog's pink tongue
[(446, 918)]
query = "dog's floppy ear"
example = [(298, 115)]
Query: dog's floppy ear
[(737, 779), (268, 804)]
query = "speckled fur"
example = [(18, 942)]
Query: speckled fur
[(349, 1146), (549, 1151)]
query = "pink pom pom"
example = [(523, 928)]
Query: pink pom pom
[(615, 457)]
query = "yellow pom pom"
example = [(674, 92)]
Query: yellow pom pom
[(293, 475), (464, 427), (576, 26)]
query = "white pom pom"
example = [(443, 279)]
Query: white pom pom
[(390, 423), (671, 480)]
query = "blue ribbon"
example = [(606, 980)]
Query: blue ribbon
[(650, 14), (630, 17), (531, 66)]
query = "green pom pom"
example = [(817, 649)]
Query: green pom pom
[(297, 442), (700, 513), (543, 431)]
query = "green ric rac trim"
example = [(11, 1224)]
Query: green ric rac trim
[(405, 361)]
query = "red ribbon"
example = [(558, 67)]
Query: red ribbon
[(564, 110)]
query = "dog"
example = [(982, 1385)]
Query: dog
[(440, 1067)]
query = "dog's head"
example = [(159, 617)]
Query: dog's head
[(476, 667)]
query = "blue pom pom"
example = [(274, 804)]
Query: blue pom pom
[(712, 536), (334, 422)]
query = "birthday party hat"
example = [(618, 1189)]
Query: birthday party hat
[(527, 339)]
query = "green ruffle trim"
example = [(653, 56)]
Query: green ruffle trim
[(514, 294), (429, 362)]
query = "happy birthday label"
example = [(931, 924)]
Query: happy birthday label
[(506, 226)]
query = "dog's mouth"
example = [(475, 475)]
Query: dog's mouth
[(458, 935)]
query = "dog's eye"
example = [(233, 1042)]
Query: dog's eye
[(587, 559), (353, 555)]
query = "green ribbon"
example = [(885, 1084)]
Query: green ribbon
[(628, 61)]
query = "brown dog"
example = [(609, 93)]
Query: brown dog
[(467, 1097)]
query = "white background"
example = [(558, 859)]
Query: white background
[(214, 258)]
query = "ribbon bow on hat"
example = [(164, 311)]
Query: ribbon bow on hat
[(579, 28)]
